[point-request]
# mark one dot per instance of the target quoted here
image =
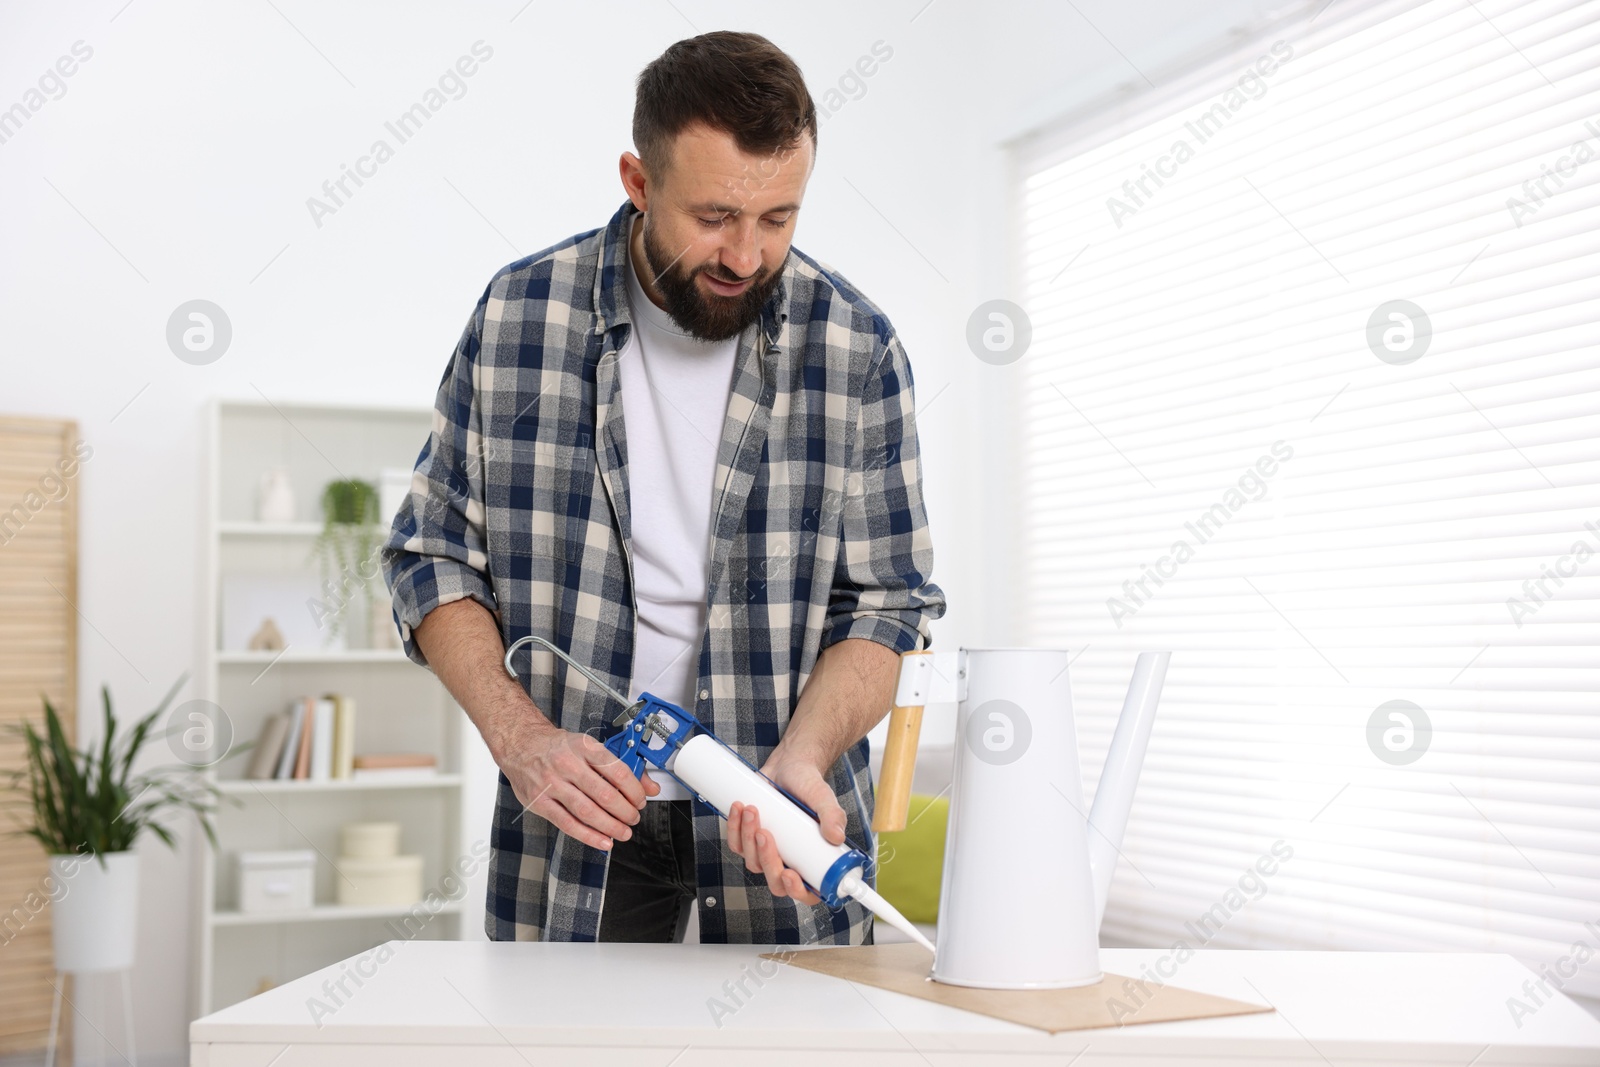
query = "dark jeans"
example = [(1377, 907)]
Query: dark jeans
[(651, 885)]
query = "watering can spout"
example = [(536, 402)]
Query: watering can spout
[(1113, 797)]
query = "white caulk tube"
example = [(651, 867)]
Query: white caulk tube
[(721, 778)]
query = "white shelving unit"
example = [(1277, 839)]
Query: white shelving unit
[(320, 913), (399, 707), (346, 785), (292, 656)]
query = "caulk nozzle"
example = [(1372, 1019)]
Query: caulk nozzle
[(852, 886)]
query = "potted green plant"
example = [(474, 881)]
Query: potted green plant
[(89, 806), (346, 548)]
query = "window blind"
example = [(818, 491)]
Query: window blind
[(1312, 397)]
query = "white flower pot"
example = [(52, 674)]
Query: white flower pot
[(94, 917)]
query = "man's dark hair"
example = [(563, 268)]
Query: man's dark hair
[(739, 83)]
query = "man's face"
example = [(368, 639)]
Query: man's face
[(718, 228)]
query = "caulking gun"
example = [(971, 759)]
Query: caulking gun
[(659, 734)]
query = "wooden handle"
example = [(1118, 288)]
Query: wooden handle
[(899, 762)]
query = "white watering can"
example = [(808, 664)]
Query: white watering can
[(1026, 868)]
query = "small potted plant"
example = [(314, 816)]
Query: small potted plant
[(346, 548), (88, 808)]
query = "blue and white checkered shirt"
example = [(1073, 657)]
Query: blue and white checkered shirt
[(520, 501)]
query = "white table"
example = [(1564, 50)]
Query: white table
[(512, 1005)]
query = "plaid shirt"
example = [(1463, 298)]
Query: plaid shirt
[(520, 501)]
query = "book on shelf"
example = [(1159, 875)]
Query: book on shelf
[(314, 739), (291, 742), (389, 760), (344, 735), (269, 746), (395, 767), (322, 742), (302, 758), (396, 774)]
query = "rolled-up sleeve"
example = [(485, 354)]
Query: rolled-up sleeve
[(437, 551), (882, 587)]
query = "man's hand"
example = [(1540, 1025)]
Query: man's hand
[(803, 778), (846, 695), (570, 779), (575, 782)]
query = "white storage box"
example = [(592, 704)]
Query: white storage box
[(276, 881), (390, 881)]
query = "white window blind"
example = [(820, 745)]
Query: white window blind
[(1215, 459)]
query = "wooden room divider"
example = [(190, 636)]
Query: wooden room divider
[(40, 461)]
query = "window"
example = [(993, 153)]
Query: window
[(1313, 398)]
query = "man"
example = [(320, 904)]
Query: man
[(684, 452)]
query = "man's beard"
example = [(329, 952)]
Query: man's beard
[(706, 318)]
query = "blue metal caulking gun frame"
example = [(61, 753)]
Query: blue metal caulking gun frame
[(652, 730)]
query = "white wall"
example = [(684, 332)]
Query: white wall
[(178, 162)]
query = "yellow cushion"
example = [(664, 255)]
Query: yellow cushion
[(911, 861)]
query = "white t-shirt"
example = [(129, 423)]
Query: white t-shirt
[(674, 397)]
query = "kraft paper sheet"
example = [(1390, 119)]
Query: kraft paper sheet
[(904, 968)]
